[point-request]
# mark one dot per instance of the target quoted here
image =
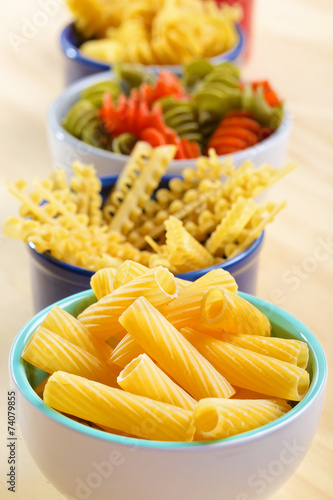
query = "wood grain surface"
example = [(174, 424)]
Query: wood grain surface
[(293, 48)]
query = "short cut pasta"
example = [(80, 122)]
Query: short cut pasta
[(120, 410), (172, 352), (155, 381)]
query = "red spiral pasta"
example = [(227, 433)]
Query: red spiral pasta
[(238, 130)]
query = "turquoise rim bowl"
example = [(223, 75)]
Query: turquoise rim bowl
[(283, 323)]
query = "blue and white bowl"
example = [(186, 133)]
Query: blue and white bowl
[(78, 65)]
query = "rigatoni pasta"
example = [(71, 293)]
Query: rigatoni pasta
[(185, 309), (69, 328), (125, 351), (290, 350), (220, 418), (118, 409), (222, 310), (251, 370), (158, 382), (172, 352), (102, 281), (50, 352), (101, 318), (143, 377)]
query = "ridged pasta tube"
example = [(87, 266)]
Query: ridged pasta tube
[(141, 376), (69, 328), (290, 350), (117, 409), (128, 271), (216, 418), (161, 341), (124, 352), (185, 310), (101, 318), (102, 281), (49, 352), (250, 370), (223, 310)]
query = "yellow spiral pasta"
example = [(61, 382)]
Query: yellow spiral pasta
[(50, 352), (101, 318), (223, 310), (185, 252), (117, 409), (141, 376), (162, 342), (250, 370), (231, 225), (216, 418), (159, 32)]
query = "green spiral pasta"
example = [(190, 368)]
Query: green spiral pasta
[(182, 117), (194, 72), (207, 122), (95, 92), (124, 143), (219, 90), (131, 76), (254, 101), (202, 70), (96, 135), (82, 122), (79, 116)]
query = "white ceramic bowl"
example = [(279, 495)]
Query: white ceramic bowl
[(85, 463), (65, 148)]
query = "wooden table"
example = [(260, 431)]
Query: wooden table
[(293, 47)]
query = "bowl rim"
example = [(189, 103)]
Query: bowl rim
[(71, 94), (72, 52), (318, 383)]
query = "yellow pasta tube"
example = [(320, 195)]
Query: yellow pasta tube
[(128, 271), (226, 311), (161, 341), (141, 376), (69, 328), (102, 281), (117, 409), (49, 352), (101, 318), (290, 350), (127, 349), (217, 418), (250, 370), (185, 310)]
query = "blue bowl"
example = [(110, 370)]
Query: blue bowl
[(52, 279), (77, 65), (70, 454)]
